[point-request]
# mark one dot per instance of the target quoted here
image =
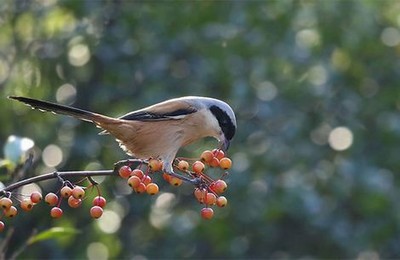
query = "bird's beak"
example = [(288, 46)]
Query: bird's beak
[(224, 144)]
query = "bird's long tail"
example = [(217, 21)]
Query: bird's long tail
[(65, 110)]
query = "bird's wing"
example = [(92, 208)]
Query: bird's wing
[(168, 110)]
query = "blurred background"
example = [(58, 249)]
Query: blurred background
[(315, 87)]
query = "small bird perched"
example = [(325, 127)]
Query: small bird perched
[(160, 130)]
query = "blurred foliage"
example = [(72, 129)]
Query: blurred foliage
[(294, 71)]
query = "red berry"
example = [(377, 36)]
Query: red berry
[(152, 188), (214, 162), (207, 213), (210, 198), (225, 163), (96, 211), (221, 201), (200, 194), (2, 225), (141, 188), (78, 192), (198, 167), (124, 171), (166, 177), (51, 199), (26, 204), (36, 197), (10, 212), (174, 181), (183, 165), (134, 182), (5, 203), (74, 202), (219, 186), (206, 156), (155, 165), (137, 172), (56, 212), (146, 179), (218, 153), (66, 191), (99, 201)]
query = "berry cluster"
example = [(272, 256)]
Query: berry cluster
[(207, 190)]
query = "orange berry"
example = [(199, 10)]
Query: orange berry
[(99, 201), (2, 225), (166, 177), (74, 202), (174, 181), (225, 163), (56, 212), (125, 171), (206, 156), (210, 198), (183, 165), (26, 204), (134, 182), (78, 192), (141, 188), (200, 194), (66, 191), (214, 162), (155, 165), (146, 179), (221, 201), (218, 153), (137, 172), (152, 188), (36, 197), (219, 186), (5, 203), (51, 199), (11, 212), (96, 212), (207, 213), (198, 167)]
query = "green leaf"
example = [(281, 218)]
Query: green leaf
[(52, 233)]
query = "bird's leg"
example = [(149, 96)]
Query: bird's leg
[(167, 167)]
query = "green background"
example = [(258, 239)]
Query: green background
[(293, 71)]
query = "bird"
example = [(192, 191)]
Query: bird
[(159, 130)]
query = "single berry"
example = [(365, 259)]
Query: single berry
[(183, 165), (147, 179), (74, 202), (206, 156), (207, 213), (66, 191), (198, 167), (36, 197), (11, 212), (78, 192), (174, 181), (125, 171), (152, 188), (141, 188), (134, 182), (2, 225), (221, 201), (166, 177), (56, 212), (210, 198), (200, 194), (99, 201), (225, 163), (218, 153), (96, 211), (137, 172), (219, 186), (51, 199), (155, 165), (214, 162), (26, 204), (5, 203)]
